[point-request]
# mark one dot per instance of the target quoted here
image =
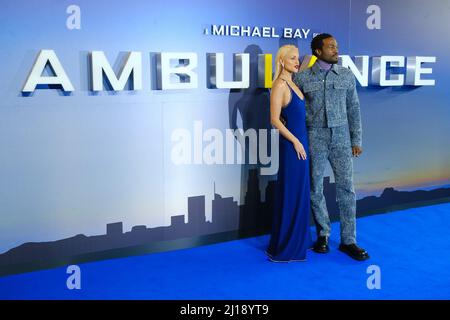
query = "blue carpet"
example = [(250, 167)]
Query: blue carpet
[(411, 247)]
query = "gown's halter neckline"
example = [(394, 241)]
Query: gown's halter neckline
[(287, 83)]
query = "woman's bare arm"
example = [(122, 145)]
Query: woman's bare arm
[(277, 97)]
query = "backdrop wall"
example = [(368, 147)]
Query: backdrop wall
[(91, 174)]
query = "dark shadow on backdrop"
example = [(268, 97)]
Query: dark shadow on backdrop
[(252, 105)]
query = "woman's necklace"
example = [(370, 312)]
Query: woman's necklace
[(285, 79)]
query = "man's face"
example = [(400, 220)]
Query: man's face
[(329, 52)]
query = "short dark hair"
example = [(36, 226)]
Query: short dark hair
[(317, 42)]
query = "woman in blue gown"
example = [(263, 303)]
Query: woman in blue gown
[(290, 237)]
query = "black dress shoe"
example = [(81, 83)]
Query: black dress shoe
[(321, 245), (354, 251)]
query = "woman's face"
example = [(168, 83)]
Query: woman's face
[(291, 61)]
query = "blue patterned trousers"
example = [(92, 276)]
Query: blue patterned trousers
[(333, 145)]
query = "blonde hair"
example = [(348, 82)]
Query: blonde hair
[(282, 52)]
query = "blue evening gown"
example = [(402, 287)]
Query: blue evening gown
[(290, 237)]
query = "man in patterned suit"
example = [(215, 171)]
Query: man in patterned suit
[(334, 130)]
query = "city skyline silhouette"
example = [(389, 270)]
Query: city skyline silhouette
[(249, 219)]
